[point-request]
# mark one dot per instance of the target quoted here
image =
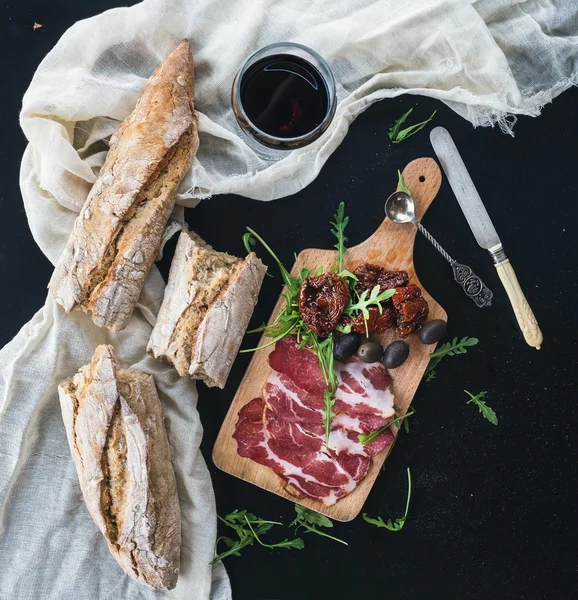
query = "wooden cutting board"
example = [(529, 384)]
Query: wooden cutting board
[(390, 246)]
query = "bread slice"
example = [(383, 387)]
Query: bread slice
[(208, 302), (115, 429), (118, 232)]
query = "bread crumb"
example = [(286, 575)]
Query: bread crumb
[(36, 26)]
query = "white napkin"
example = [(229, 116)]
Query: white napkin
[(487, 59)]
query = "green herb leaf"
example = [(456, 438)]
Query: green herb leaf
[(430, 375), (344, 328), (367, 439), (248, 528), (340, 224), (401, 184), (398, 523), (448, 349), (486, 411), (345, 274), (397, 135), (394, 129), (288, 279), (367, 299), (310, 520)]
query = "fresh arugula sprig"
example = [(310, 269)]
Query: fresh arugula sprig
[(310, 521), (448, 349), (367, 299), (486, 411), (370, 437), (364, 301), (288, 279), (249, 529), (398, 523), (397, 135), (401, 184), (340, 224)]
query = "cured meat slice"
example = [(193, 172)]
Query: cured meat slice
[(359, 423), (327, 495), (299, 364), (293, 435), (285, 429), (292, 403), (344, 441), (363, 389), (326, 476)]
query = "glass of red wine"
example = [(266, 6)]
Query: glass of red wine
[(284, 96)]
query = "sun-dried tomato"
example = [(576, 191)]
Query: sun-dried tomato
[(321, 302), (411, 309), (377, 322), (371, 275)]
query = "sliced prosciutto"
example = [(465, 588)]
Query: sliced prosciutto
[(292, 403), (324, 474), (284, 430)]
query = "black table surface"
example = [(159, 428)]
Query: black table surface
[(493, 512)]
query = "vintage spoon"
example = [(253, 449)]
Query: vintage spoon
[(399, 207)]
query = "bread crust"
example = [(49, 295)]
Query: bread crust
[(115, 429), (118, 232), (219, 336), (203, 342)]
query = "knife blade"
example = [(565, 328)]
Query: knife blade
[(483, 229), (464, 189)]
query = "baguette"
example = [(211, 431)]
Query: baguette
[(208, 302), (115, 429), (118, 232)]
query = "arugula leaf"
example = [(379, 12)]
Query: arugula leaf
[(340, 224), (367, 439), (309, 520), (238, 520), (398, 523), (288, 279), (286, 543), (394, 129), (486, 411), (448, 349), (454, 347), (324, 351), (367, 299), (405, 424), (397, 135), (401, 184)]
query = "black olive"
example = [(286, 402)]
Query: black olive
[(395, 354), (370, 352), (346, 346), (432, 331)]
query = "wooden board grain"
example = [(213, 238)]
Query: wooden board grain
[(390, 246)]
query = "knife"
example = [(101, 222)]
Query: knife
[(484, 230)]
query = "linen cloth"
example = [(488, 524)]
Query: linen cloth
[(489, 60)]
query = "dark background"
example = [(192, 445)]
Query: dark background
[(493, 513)]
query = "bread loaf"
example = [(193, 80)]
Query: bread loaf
[(208, 302), (115, 429), (118, 232)]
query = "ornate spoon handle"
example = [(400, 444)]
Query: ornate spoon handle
[(472, 285)]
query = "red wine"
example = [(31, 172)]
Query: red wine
[(284, 96)]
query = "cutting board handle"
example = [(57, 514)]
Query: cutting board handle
[(423, 178)]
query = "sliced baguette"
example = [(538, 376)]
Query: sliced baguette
[(115, 429), (208, 302), (118, 232)]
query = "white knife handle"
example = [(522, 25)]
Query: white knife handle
[(524, 315)]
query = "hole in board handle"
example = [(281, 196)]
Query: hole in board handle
[(421, 178)]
